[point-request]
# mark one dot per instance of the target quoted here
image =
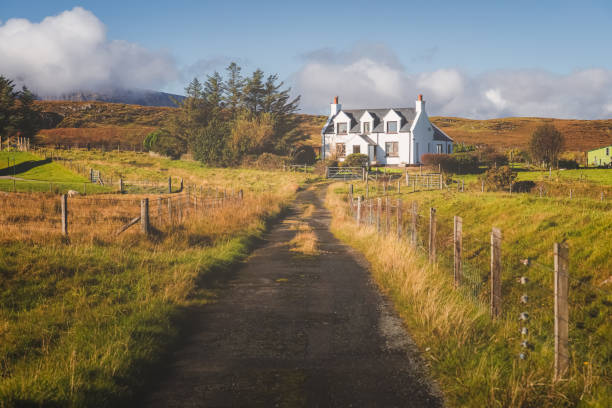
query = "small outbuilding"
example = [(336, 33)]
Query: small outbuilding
[(599, 157)]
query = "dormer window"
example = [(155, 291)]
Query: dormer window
[(342, 128), (366, 128), (392, 126)]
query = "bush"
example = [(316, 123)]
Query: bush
[(445, 161), (356, 160), (304, 155), (458, 163), (568, 164), (321, 165), (499, 178), (163, 142), (523, 186), (466, 163), (269, 161)]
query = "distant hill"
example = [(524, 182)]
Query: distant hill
[(133, 121), (128, 96), (503, 134)]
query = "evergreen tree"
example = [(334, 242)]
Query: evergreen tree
[(27, 116), (254, 92), (233, 88), (214, 91), (8, 96), (210, 141)]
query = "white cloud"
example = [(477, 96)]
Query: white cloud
[(362, 80), (71, 52)]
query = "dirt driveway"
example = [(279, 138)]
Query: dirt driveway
[(297, 330)]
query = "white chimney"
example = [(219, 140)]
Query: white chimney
[(420, 104), (335, 107)]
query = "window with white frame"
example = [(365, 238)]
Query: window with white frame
[(340, 149), (342, 128), (391, 149), (439, 149), (392, 126), (356, 149)]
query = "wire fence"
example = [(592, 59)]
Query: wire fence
[(568, 313), (30, 216)]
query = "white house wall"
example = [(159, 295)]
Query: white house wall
[(422, 132)]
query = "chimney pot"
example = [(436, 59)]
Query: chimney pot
[(336, 100), (420, 97)]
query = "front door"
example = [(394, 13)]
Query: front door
[(372, 154)]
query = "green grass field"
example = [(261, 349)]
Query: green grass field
[(530, 226), (86, 321), (33, 174)]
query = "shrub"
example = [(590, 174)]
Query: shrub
[(445, 161), (466, 163), (356, 160), (499, 178), (523, 186), (321, 165), (163, 142), (304, 155), (568, 164), (459, 163), (269, 161)]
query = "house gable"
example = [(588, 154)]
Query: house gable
[(392, 116)]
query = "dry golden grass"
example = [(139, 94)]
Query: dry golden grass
[(305, 241), (470, 355), (97, 218)]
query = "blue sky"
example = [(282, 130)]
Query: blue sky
[(454, 52)]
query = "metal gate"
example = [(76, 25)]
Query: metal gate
[(345, 173)]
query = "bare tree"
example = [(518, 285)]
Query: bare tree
[(546, 144)]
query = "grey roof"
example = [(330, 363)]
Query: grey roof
[(407, 115), (440, 135)]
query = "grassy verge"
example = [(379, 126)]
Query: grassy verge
[(84, 320), (34, 174), (473, 357)]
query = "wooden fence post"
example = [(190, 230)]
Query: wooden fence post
[(561, 254), (64, 205), (121, 185), (359, 211), (144, 216), (398, 186), (496, 299), (482, 186), (432, 235), (169, 186), (399, 217), (378, 211), (363, 174), (458, 245)]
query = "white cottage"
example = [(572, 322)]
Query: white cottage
[(393, 136)]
